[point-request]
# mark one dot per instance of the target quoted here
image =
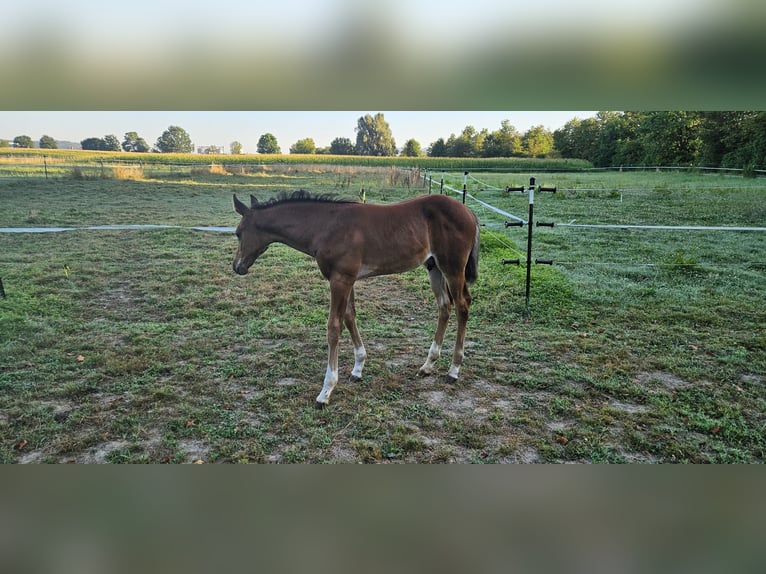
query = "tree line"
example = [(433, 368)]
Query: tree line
[(728, 139), (373, 138), (731, 139), (173, 140)]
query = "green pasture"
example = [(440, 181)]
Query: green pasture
[(143, 346)]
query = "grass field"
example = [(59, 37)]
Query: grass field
[(29, 162), (143, 346)]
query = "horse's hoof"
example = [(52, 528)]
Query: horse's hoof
[(319, 406), (422, 373), (450, 380), (354, 379)]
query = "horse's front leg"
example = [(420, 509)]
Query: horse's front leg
[(340, 289), (360, 354)]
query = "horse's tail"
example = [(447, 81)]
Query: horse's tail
[(472, 267)]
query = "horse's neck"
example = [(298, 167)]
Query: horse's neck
[(291, 224)]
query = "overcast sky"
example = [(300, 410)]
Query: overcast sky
[(221, 128)]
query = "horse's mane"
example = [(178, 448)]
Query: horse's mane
[(300, 196)]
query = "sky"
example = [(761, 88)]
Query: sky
[(220, 128)]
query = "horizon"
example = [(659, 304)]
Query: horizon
[(221, 128)]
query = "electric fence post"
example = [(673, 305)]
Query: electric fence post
[(529, 239), (465, 185)]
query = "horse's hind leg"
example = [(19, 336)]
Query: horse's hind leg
[(462, 299), (444, 301), (360, 355)]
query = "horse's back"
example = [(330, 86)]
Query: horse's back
[(436, 208)]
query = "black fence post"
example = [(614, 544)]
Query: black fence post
[(465, 184), (529, 237)]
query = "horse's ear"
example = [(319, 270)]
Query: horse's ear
[(239, 207), (253, 200)]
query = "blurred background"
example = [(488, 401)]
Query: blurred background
[(393, 54), (387, 518)]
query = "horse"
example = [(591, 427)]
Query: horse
[(352, 241)]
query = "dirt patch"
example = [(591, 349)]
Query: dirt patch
[(523, 455), (752, 379), (60, 409), (193, 450), (31, 457), (287, 382), (559, 426), (628, 408), (99, 454), (343, 454), (455, 405), (640, 458), (669, 380)]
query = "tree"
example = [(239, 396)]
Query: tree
[(5, 143), (235, 147), (305, 145), (267, 143), (174, 140), (94, 144), (47, 142), (342, 146), (505, 142), (670, 138), (468, 144), (750, 153), (107, 143), (537, 141), (23, 141), (438, 148), (412, 149), (111, 143), (134, 143), (628, 147), (373, 136)]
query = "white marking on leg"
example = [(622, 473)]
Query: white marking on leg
[(330, 380), (453, 371), (360, 355), (433, 355)]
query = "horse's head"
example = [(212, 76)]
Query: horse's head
[(252, 243)]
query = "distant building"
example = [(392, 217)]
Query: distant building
[(209, 149)]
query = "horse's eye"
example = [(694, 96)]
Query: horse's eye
[(238, 234)]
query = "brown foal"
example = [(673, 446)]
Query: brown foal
[(352, 241)]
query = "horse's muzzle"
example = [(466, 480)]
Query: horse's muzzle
[(239, 269)]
